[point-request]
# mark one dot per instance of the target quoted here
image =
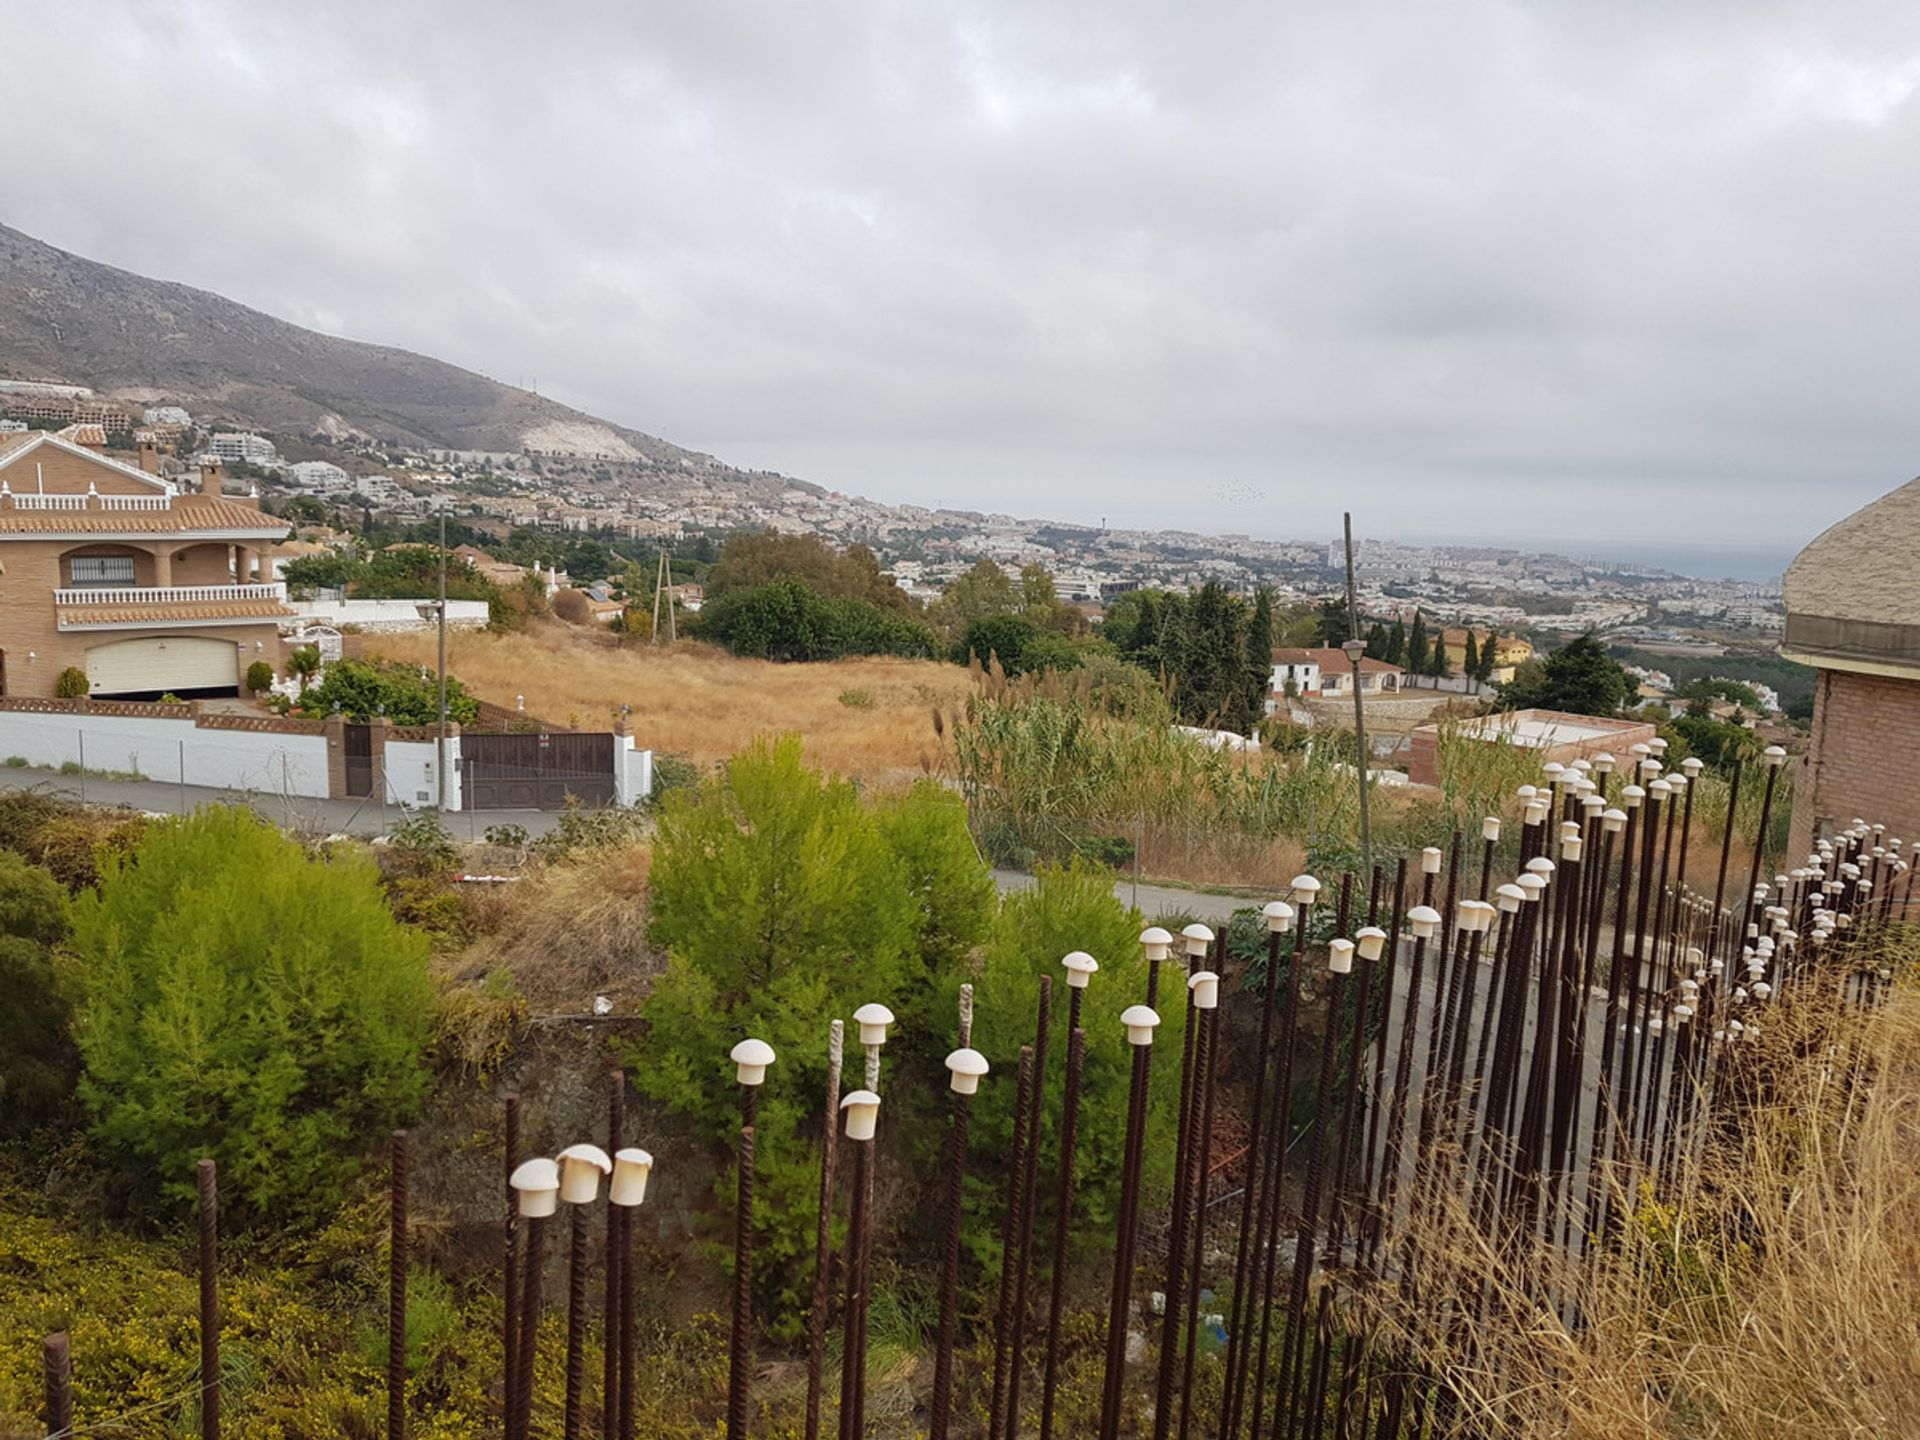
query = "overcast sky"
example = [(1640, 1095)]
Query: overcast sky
[(1502, 270)]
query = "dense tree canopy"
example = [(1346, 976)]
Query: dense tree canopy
[(787, 619), (244, 1001), (1579, 678)]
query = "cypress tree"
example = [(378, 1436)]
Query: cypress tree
[(1488, 656), (1377, 641), (1396, 643), (1260, 654), (1417, 646), (1470, 667)]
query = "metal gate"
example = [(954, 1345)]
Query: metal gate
[(536, 772), (359, 757)]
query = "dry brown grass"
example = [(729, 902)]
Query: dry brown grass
[(568, 932), (1772, 1298), (704, 703)]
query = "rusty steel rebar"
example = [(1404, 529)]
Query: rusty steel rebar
[(740, 1343), (1029, 1183), (1241, 1309), (943, 1352), (575, 1414), (1184, 1143), (527, 1342), (1062, 1223), (208, 1178), (853, 1350), (823, 1232), (1113, 1379), (509, 1272), (397, 1261), (1209, 1029), (617, 1217), (56, 1360), (1009, 1240)]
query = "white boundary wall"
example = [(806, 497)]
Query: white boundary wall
[(387, 614), (632, 771), (176, 751)]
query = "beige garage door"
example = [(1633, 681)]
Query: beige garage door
[(178, 663)]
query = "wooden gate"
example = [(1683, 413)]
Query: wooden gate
[(541, 771), (359, 757)]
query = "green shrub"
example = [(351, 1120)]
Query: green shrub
[(38, 1065), (857, 699), (1071, 908), (790, 620), (72, 683), (783, 902), (70, 767), (16, 762), (259, 677), (582, 828), (507, 837), (672, 771), (363, 689), (246, 1002), (421, 845)]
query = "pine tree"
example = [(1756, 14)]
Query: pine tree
[(1470, 667), (1396, 643), (1417, 646)]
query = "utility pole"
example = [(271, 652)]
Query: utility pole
[(1355, 647), (662, 582)]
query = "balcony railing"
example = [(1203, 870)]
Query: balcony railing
[(87, 502), (166, 594)]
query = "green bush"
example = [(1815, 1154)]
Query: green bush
[(671, 771), (72, 683), (246, 1002), (37, 1061), (16, 762), (259, 677), (1072, 908), (783, 902), (790, 620), (363, 689), (421, 845)]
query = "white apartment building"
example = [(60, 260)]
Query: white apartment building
[(244, 446), (320, 476)]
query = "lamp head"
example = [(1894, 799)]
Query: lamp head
[(873, 1019), (536, 1187), (1080, 968), (862, 1112), (1278, 915), (964, 1069), (1139, 1020), (1204, 987), (581, 1167), (630, 1171), (1158, 944), (751, 1059)]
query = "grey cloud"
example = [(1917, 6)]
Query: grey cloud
[(1492, 268)]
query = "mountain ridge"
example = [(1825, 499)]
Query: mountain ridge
[(63, 316)]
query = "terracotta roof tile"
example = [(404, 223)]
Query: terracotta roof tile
[(207, 610), (188, 512)]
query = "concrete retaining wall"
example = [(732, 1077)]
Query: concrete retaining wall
[(388, 614), (177, 750)]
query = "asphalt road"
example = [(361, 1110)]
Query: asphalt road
[(369, 818)]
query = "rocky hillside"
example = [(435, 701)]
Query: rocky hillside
[(68, 318)]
